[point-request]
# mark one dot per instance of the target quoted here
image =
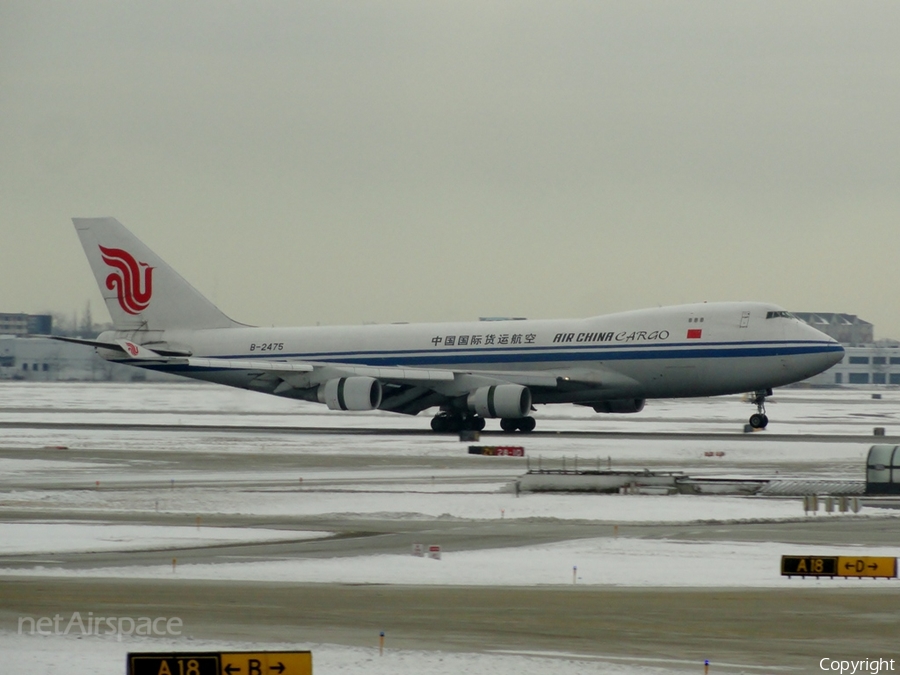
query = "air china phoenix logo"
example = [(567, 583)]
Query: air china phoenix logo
[(132, 288)]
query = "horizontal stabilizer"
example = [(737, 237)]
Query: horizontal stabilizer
[(137, 351), (84, 341), (118, 346)]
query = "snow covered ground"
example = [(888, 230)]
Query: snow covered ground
[(452, 502), (43, 537), (66, 655), (791, 411), (105, 477), (606, 561)]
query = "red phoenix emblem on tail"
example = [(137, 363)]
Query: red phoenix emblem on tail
[(132, 289)]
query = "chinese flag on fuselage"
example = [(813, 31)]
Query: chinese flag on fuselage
[(694, 333)]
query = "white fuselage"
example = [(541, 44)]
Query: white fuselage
[(688, 350)]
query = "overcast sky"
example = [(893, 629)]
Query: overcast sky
[(350, 162)]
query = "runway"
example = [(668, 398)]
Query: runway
[(95, 503), (497, 436)]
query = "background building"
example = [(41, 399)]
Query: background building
[(23, 357), (877, 363), (26, 324), (848, 329), (42, 360), (865, 362)]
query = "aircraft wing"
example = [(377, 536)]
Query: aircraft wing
[(406, 390), (309, 373), (291, 368), (527, 378), (302, 374), (392, 374), (247, 364)]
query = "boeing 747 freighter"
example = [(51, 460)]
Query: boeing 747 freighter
[(470, 371)]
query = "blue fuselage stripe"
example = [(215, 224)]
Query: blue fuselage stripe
[(539, 355), (543, 354), (593, 349)]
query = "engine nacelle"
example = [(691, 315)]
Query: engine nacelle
[(622, 405), (501, 400), (351, 393)]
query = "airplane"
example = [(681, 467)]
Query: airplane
[(470, 371)]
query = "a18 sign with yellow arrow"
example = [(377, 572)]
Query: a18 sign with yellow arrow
[(220, 663), (838, 566)]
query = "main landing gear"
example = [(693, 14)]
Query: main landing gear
[(523, 424), (451, 422), (445, 422), (759, 420)]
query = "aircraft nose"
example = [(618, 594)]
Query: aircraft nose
[(836, 353), (830, 353), (825, 352)]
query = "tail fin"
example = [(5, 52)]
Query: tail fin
[(139, 288)]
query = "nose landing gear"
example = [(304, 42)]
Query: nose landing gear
[(760, 420)]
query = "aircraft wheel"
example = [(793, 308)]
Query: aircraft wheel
[(476, 423), (455, 424), (439, 423), (758, 421), (527, 424), (509, 425)]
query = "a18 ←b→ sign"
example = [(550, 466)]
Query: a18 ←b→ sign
[(220, 663)]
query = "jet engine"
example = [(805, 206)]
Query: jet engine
[(622, 405), (351, 393), (501, 400)]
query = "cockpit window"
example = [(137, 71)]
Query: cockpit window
[(778, 315)]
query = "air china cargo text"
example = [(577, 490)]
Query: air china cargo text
[(622, 336)]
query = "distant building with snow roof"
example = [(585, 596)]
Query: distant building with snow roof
[(848, 329), (865, 362)]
